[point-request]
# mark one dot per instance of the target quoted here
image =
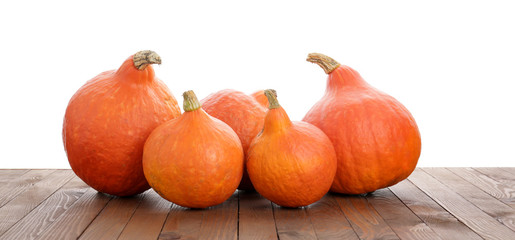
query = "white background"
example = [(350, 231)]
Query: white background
[(451, 63)]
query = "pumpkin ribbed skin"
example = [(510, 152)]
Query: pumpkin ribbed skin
[(376, 139), (107, 122), (194, 161), (291, 163), (242, 113)]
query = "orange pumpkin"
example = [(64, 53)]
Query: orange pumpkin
[(108, 120), (290, 163), (195, 160), (242, 113), (260, 98), (375, 137)]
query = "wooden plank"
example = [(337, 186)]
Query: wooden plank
[(477, 220), (504, 192), (499, 174), (293, 223), (329, 221), (400, 218), (490, 205), (43, 215), (19, 185), (437, 218), (221, 221), (509, 169), (111, 221), (364, 219), (182, 223), (149, 218), (218, 222), (256, 217), (75, 219), (25, 202), (7, 175)]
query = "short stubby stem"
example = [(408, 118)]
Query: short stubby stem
[(191, 103), (143, 58)]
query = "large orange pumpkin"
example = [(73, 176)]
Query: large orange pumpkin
[(375, 137), (290, 163), (108, 120), (242, 113), (194, 160)]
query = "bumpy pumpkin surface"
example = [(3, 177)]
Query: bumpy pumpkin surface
[(195, 160), (376, 139), (108, 120), (242, 113), (290, 163)]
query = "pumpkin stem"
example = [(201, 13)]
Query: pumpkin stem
[(325, 62), (191, 102), (272, 99), (143, 58)]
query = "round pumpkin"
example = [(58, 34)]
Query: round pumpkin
[(108, 120), (242, 113), (376, 139), (290, 163), (195, 160)]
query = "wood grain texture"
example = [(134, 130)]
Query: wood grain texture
[(477, 220), (20, 185), (33, 195), (44, 214), (503, 191), (218, 222), (490, 205), (437, 218), (293, 223), (221, 221), (510, 170), (256, 217), (499, 174), (150, 216), (364, 219), (111, 221), (9, 175), (400, 218), (182, 223), (329, 221), (506, 179), (72, 223)]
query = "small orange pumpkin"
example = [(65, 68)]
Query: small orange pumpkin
[(195, 160), (375, 137), (108, 120), (290, 163), (242, 113)]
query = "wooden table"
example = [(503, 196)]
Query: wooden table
[(435, 203)]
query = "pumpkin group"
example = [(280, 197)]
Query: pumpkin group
[(123, 133), (376, 139), (290, 163), (108, 120), (195, 160)]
